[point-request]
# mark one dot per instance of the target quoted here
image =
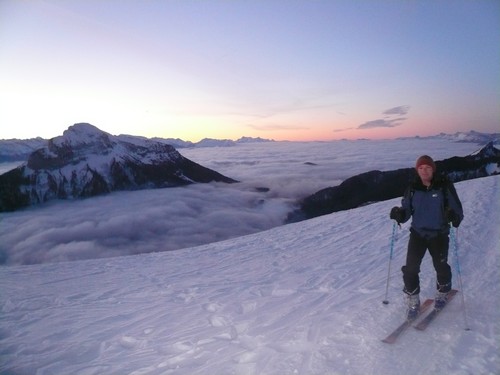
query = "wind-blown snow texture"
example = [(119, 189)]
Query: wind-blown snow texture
[(303, 298)]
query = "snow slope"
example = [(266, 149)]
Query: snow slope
[(298, 299)]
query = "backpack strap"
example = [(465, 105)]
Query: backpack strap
[(410, 191), (444, 188)]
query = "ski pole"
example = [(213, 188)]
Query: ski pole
[(459, 272), (386, 301)]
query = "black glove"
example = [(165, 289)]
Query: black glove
[(452, 217), (398, 214)]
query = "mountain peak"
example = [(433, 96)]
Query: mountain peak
[(83, 127), (82, 134)]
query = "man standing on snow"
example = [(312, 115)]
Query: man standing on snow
[(433, 203)]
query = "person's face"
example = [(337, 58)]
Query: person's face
[(425, 173)]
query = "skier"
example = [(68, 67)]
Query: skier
[(433, 203)]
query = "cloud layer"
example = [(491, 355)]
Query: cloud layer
[(126, 223)]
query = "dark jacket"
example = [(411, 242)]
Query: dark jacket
[(428, 205)]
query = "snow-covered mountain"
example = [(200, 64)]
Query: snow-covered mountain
[(21, 149), (86, 161), (304, 298), (473, 136)]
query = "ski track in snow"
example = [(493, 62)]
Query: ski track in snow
[(303, 298)]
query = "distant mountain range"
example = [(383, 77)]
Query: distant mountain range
[(469, 137), (86, 162), (21, 149)]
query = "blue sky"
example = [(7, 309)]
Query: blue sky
[(294, 70)]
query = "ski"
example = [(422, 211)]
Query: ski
[(407, 323), (422, 325)]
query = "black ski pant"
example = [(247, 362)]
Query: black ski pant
[(438, 249)]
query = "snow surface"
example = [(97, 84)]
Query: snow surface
[(304, 298)]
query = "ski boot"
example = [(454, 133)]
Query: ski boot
[(413, 307), (440, 300)]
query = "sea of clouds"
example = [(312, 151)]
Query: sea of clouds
[(125, 223)]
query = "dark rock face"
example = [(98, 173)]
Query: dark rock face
[(86, 162), (377, 186)]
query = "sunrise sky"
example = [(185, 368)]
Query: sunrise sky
[(280, 69)]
